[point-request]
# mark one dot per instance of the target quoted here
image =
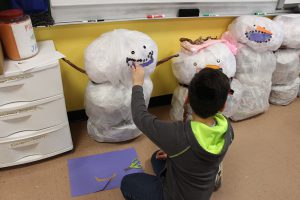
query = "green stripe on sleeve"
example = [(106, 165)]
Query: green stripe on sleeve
[(180, 153)]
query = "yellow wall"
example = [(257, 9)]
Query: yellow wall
[(71, 40)]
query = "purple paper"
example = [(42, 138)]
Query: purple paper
[(91, 174)]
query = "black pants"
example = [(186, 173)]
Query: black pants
[(142, 186)]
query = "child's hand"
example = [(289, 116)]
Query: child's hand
[(138, 74), (160, 155)]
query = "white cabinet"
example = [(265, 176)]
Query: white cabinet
[(33, 117)]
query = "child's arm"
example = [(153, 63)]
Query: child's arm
[(167, 135)]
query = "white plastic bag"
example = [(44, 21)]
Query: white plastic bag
[(178, 99), (233, 101), (255, 100), (285, 94), (110, 56), (287, 67), (108, 62), (109, 110), (259, 33), (290, 24), (254, 68), (185, 66), (254, 71)]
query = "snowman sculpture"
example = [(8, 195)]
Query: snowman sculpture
[(257, 38), (194, 56), (108, 62), (285, 80)]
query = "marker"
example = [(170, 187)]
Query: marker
[(260, 13), (95, 20), (155, 16), (209, 15)]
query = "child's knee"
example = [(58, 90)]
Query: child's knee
[(128, 182), (124, 185), (124, 182)]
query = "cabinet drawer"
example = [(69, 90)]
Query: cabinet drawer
[(35, 115), (35, 145), (30, 86)]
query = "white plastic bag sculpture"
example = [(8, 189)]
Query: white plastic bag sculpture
[(288, 65), (259, 33), (254, 68), (285, 94), (233, 101), (254, 71), (257, 38), (194, 56), (108, 62), (291, 26), (285, 79), (254, 101)]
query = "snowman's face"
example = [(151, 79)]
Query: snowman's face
[(217, 56), (144, 62), (185, 66), (260, 33), (110, 57), (141, 50)]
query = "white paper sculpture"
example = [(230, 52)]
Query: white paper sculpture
[(108, 62)]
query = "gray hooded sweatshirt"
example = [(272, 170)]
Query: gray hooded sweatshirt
[(190, 170)]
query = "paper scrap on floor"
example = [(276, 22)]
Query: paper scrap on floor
[(99, 172)]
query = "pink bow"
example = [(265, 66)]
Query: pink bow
[(230, 42), (192, 49)]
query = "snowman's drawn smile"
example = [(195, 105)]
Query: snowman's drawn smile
[(259, 35), (143, 62)]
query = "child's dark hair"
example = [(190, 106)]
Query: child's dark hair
[(208, 92)]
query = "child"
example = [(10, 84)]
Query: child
[(193, 149)]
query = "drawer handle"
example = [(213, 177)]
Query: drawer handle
[(16, 114), (30, 158), (42, 134), (17, 80), (27, 142)]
